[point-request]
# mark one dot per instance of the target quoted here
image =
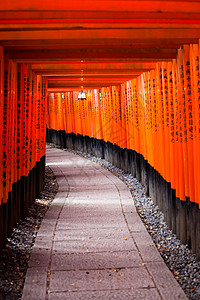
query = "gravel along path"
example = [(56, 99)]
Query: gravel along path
[(14, 258), (178, 257)]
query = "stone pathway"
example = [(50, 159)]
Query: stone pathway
[(92, 243)]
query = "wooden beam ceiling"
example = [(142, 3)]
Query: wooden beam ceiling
[(103, 42)]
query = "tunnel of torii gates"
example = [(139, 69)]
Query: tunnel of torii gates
[(138, 63)]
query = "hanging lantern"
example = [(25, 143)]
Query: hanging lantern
[(81, 95)]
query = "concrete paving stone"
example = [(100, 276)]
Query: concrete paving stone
[(93, 194), (43, 243), (142, 238), (54, 212), (100, 245), (39, 257), (120, 185), (149, 253), (103, 233), (100, 280), (76, 172), (59, 201), (90, 205), (95, 219), (94, 197), (61, 194), (165, 282), (91, 214), (83, 186), (92, 261), (134, 222), (128, 204), (136, 294), (89, 223), (46, 229), (104, 189), (59, 174), (63, 225), (47, 224), (89, 177), (85, 207), (94, 200), (99, 201), (129, 208), (88, 209), (126, 198), (89, 182), (35, 284), (63, 187)]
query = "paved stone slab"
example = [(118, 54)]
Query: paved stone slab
[(106, 189), (136, 294), (100, 280), (93, 245), (166, 284), (94, 202), (90, 233), (39, 257), (35, 284), (78, 209), (134, 222), (95, 261), (47, 228), (142, 238), (89, 223), (147, 248), (84, 211)]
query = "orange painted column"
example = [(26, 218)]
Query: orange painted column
[(13, 144), (176, 126), (161, 121), (171, 124), (189, 121), (83, 116), (166, 121), (59, 111), (123, 143), (195, 83), (118, 114), (127, 114), (182, 140), (152, 112), (51, 111), (72, 107), (43, 117), (23, 70), (103, 114), (110, 114), (33, 121), (99, 117), (1, 121), (64, 111), (135, 115), (6, 130), (28, 118), (38, 115)]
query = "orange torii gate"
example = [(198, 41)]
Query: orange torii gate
[(142, 106)]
